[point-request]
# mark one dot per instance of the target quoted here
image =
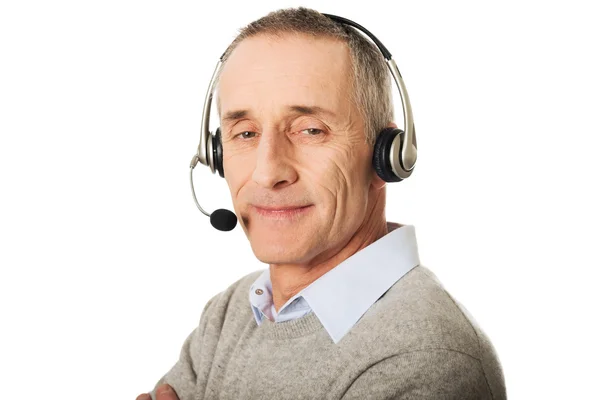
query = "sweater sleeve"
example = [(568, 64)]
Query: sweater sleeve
[(422, 374), (182, 376)]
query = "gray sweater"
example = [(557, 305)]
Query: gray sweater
[(415, 342)]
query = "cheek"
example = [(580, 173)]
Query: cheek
[(235, 173), (336, 176), (342, 166)]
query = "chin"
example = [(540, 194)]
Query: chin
[(279, 252), (272, 253), (277, 242)]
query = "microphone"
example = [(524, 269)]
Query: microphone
[(221, 219)]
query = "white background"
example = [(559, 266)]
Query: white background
[(106, 263)]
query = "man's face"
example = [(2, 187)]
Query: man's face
[(293, 137)]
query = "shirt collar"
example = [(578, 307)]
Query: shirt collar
[(341, 296)]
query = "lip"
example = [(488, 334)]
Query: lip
[(281, 213)]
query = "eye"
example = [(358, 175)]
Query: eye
[(247, 134), (312, 131)]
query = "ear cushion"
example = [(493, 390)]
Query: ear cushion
[(218, 152), (381, 151)]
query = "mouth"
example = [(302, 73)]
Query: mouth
[(281, 213)]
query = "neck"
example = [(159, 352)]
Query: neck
[(289, 279)]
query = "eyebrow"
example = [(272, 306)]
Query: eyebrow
[(235, 115), (311, 110)]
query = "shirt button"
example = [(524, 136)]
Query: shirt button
[(258, 291)]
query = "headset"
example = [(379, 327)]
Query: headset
[(394, 153)]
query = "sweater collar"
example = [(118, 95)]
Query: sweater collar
[(341, 296)]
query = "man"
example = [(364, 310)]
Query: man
[(344, 310)]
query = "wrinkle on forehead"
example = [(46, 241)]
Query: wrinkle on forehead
[(316, 69)]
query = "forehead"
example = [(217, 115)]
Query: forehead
[(271, 73)]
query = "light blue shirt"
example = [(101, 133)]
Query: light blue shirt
[(342, 295)]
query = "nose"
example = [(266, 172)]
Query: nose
[(273, 168)]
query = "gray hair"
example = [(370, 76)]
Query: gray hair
[(371, 84)]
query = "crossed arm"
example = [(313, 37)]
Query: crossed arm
[(421, 374)]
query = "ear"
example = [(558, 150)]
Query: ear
[(376, 181)]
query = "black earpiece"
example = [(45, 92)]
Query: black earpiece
[(218, 152), (381, 154)]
